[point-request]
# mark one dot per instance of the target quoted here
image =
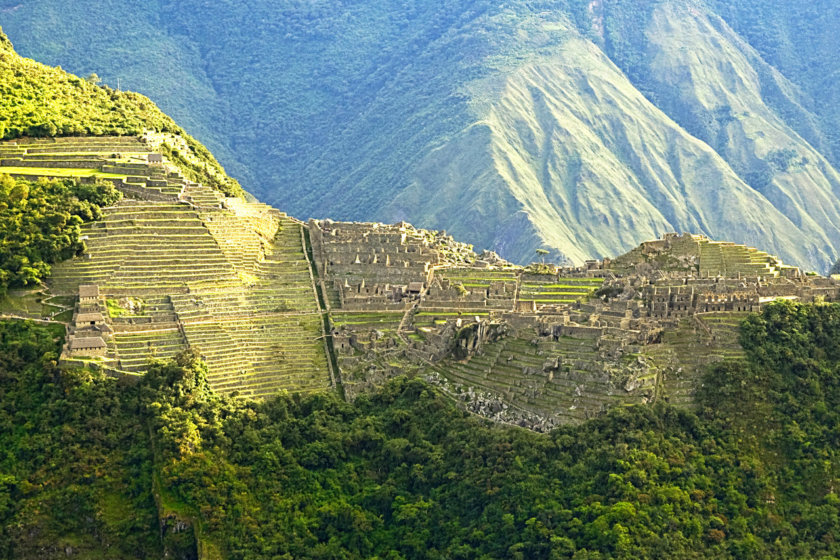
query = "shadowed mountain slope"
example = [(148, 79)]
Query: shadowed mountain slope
[(590, 164)]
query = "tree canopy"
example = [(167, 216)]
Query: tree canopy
[(39, 224), (404, 473)]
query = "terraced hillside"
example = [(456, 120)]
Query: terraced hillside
[(730, 259), (543, 345), (245, 302), (266, 333), (133, 163), (176, 265), (559, 381), (548, 290), (697, 254), (691, 347)]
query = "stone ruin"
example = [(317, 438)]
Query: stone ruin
[(378, 266), (538, 346), (89, 328), (415, 301)]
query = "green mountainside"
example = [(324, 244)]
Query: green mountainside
[(256, 403), (41, 101), (578, 126), (41, 220)]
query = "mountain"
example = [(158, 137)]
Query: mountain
[(580, 127), (177, 438)]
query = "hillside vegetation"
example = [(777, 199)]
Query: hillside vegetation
[(403, 474), (40, 225), (40, 101), (40, 221), (581, 127)]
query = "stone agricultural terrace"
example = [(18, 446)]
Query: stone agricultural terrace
[(177, 265), (127, 161), (273, 304)]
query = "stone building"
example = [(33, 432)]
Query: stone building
[(90, 319), (88, 294), (87, 346)]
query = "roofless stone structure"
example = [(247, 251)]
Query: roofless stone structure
[(543, 345)]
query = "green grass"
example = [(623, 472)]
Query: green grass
[(105, 152), (569, 283), (542, 300), (64, 316), (61, 172), (450, 314), (114, 308), (22, 303), (33, 304), (350, 318), (482, 279), (540, 293)]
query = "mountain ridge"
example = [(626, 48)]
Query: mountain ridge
[(392, 94)]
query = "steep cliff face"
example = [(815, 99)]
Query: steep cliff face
[(576, 126), (586, 165), (756, 119)]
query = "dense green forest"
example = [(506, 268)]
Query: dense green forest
[(90, 465), (39, 224), (581, 127), (76, 463)]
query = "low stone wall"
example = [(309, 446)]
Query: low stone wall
[(76, 164), (521, 320), (141, 193), (576, 331), (140, 292), (127, 168), (371, 305), (454, 305)]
